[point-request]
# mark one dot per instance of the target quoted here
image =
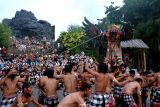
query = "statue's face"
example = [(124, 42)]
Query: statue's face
[(114, 29)]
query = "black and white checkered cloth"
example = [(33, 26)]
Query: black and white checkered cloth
[(41, 97), (117, 91), (19, 91), (7, 102), (153, 91), (102, 100), (51, 101), (128, 100), (87, 100), (65, 93), (155, 96)]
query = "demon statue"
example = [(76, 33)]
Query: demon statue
[(114, 35)]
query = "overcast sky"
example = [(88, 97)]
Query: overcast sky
[(60, 13)]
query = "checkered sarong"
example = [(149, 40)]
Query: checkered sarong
[(155, 96), (19, 91), (87, 100), (41, 97), (117, 91), (128, 100), (102, 100), (7, 101), (153, 91), (51, 101), (65, 93)]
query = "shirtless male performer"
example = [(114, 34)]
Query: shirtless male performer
[(131, 88), (102, 96), (10, 86), (69, 80), (155, 98), (122, 77), (86, 77), (115, 86), (76, 99), (23, 99), (49, 86)]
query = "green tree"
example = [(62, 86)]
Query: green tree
[(113, 14), (72, 38), (144, 14), (5, 34), (103, 24), (140, 10)]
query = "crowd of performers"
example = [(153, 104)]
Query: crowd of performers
[(85, 82)]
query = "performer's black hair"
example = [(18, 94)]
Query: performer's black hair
[(67, 68), (103, 68), (85, 86), (49, 73)]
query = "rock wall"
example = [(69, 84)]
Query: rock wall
[(26, 24)]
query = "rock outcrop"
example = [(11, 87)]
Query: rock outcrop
[(26, 24)]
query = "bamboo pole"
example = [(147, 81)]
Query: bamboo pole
[(138, 62), (144, 58), (141, 61)]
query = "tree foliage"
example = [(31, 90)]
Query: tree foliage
[(5, 34), (113, 14), (71, 38)]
